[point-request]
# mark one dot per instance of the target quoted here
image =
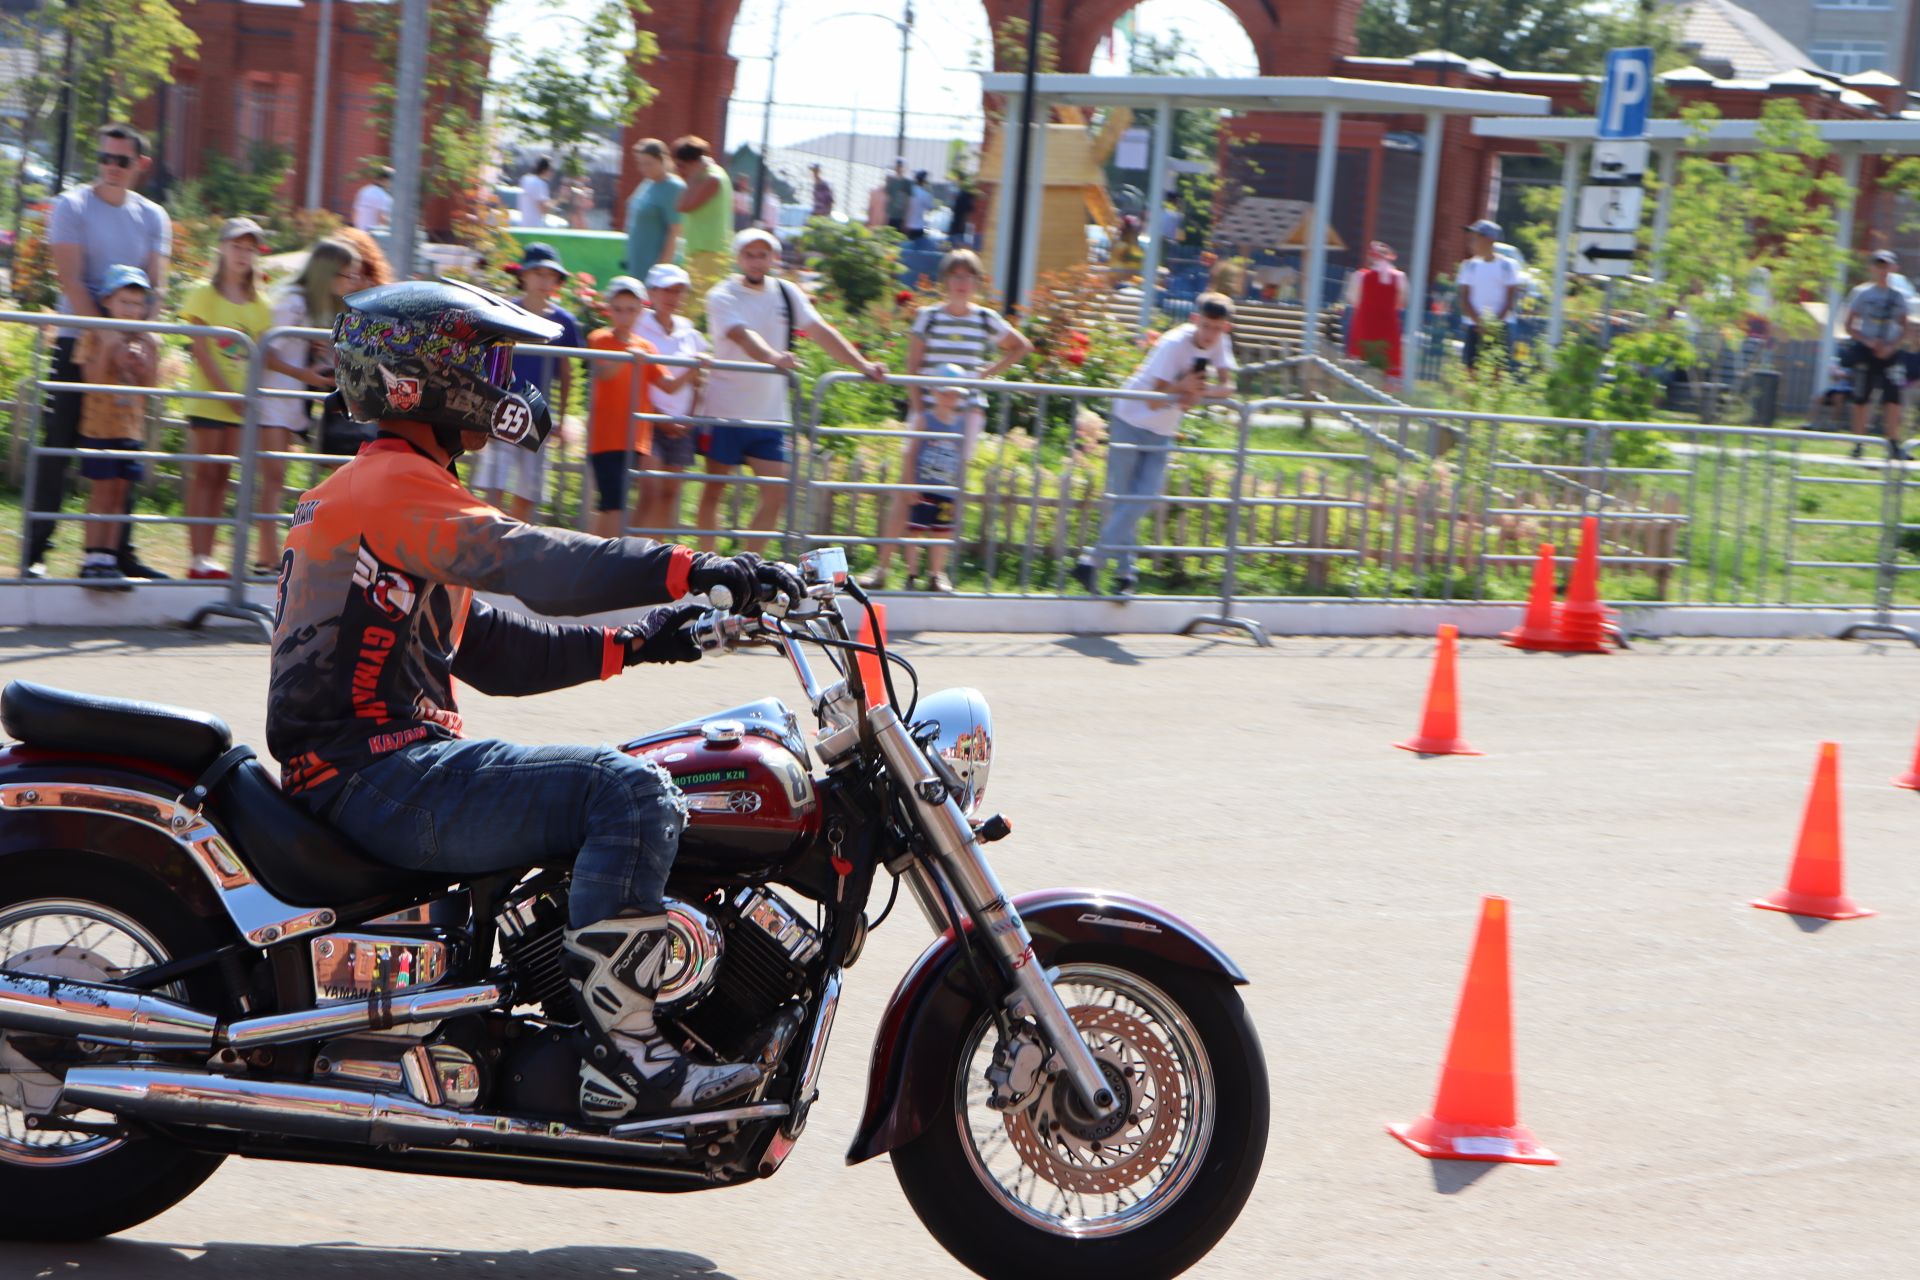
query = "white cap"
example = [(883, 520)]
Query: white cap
[(754, 235), (666, 275), (624, 284)]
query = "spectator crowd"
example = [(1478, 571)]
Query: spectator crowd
[(718, 398)]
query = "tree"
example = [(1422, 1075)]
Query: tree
[(1531, 35), (1765, 216), (565, 96), (455, 147)]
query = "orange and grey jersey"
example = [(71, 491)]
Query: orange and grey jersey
[(376, 616)]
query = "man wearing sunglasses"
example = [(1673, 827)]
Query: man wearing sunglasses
[(92, 229)]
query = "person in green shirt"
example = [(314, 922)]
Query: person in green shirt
[(232, 299), (707, 209), (653, 214)]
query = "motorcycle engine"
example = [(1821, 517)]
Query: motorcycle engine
[(733, 961)]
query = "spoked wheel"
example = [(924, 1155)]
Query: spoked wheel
[(92, 925), (1050, 1190)]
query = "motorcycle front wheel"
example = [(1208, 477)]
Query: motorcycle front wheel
[(1047, 1190)]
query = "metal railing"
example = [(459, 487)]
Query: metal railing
[(1324, 491)]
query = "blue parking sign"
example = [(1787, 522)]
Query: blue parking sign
[(1625, 92)]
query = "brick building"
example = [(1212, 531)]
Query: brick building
[(252, 83)]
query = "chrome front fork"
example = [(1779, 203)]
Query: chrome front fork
[(994, 918)]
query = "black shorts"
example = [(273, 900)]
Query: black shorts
[(610, 479), (1884, 374), (113, 468), (932, 513)]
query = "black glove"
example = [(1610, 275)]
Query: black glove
[(661, 636), (748, 580)]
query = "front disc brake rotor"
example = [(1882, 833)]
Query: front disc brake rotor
[(1099, 1156)]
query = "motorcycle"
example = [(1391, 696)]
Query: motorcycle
[(192, 967)]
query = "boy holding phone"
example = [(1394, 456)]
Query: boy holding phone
[(1191, 363)]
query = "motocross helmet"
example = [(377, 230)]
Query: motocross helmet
[(441, 353)]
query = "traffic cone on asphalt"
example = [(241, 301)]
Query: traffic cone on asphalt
[(1540, 629), (1474, 1115), (1814, 884), (870, 677), (1584, 625), (1440, 726), (1911, 778)]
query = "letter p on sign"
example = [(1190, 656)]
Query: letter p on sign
[(1625, 93)]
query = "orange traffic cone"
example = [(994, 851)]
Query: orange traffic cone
[(1473, 1116), (1540, 629), (1911, 778), (1813, 886), (1440, 726), (1583, 619), (870, 676)]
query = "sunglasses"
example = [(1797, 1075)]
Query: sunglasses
[(117, 161)]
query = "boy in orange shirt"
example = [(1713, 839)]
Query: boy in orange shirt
[(613, 436)]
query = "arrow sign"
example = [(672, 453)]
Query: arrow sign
[(1605, 253), (1610, 208)]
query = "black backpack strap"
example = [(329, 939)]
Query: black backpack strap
[(786, 307), (216, 773)]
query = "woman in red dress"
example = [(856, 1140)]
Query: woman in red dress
[(1376, 297)]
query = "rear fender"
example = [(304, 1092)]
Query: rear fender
[(121, 812), (935, 1000)]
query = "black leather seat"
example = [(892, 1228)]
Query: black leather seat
[(58, 720), (299, 858)]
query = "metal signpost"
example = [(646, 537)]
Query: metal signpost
[(1608, 225)]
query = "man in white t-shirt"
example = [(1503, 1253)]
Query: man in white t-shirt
[(536, 194), (373, 203), (755, 316), (1191, 363), (1489, 287)]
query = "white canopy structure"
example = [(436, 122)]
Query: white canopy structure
[(1328, 96), (1849, 139)]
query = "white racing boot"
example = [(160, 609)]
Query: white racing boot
[(629, 1067)]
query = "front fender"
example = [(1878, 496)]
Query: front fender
[(935, 1000)]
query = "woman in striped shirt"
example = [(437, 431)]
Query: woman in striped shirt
[(960, 332)]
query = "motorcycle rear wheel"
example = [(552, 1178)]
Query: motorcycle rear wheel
[(68, 1187), (1046, 1193)]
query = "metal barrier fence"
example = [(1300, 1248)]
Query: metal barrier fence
[(1312, 488)]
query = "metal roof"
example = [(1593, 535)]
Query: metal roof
[(1266, 93), (1725, 135)]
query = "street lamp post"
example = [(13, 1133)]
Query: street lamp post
[(1016, 229), (322, 77), (766, 118), (409, 90), (906, 38)]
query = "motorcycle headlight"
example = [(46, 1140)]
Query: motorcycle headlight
[(964, 738)]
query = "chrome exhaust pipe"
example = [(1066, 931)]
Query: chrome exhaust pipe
[(101, 1014), (353, 1116), (375, 1013), (139, 1020)]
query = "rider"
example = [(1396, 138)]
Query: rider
[(376, 618)]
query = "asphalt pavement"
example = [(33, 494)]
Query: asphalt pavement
[(1730, 1090)]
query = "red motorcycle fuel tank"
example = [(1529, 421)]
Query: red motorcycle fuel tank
[(751, 802)]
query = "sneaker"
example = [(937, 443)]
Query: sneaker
[(941, 583), (875, 581), (207, 569), (1856, 450), (1123, 586), (629, 1066), (104, 577), (1082, 573), (38, 569), (134, 567)]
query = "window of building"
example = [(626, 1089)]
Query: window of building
[(1849, 57)]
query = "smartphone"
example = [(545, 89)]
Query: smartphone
[(1199, 364)]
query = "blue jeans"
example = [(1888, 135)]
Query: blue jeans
[(1135, 477), (473, 808)]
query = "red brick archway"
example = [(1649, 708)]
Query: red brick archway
[(694, 73)]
